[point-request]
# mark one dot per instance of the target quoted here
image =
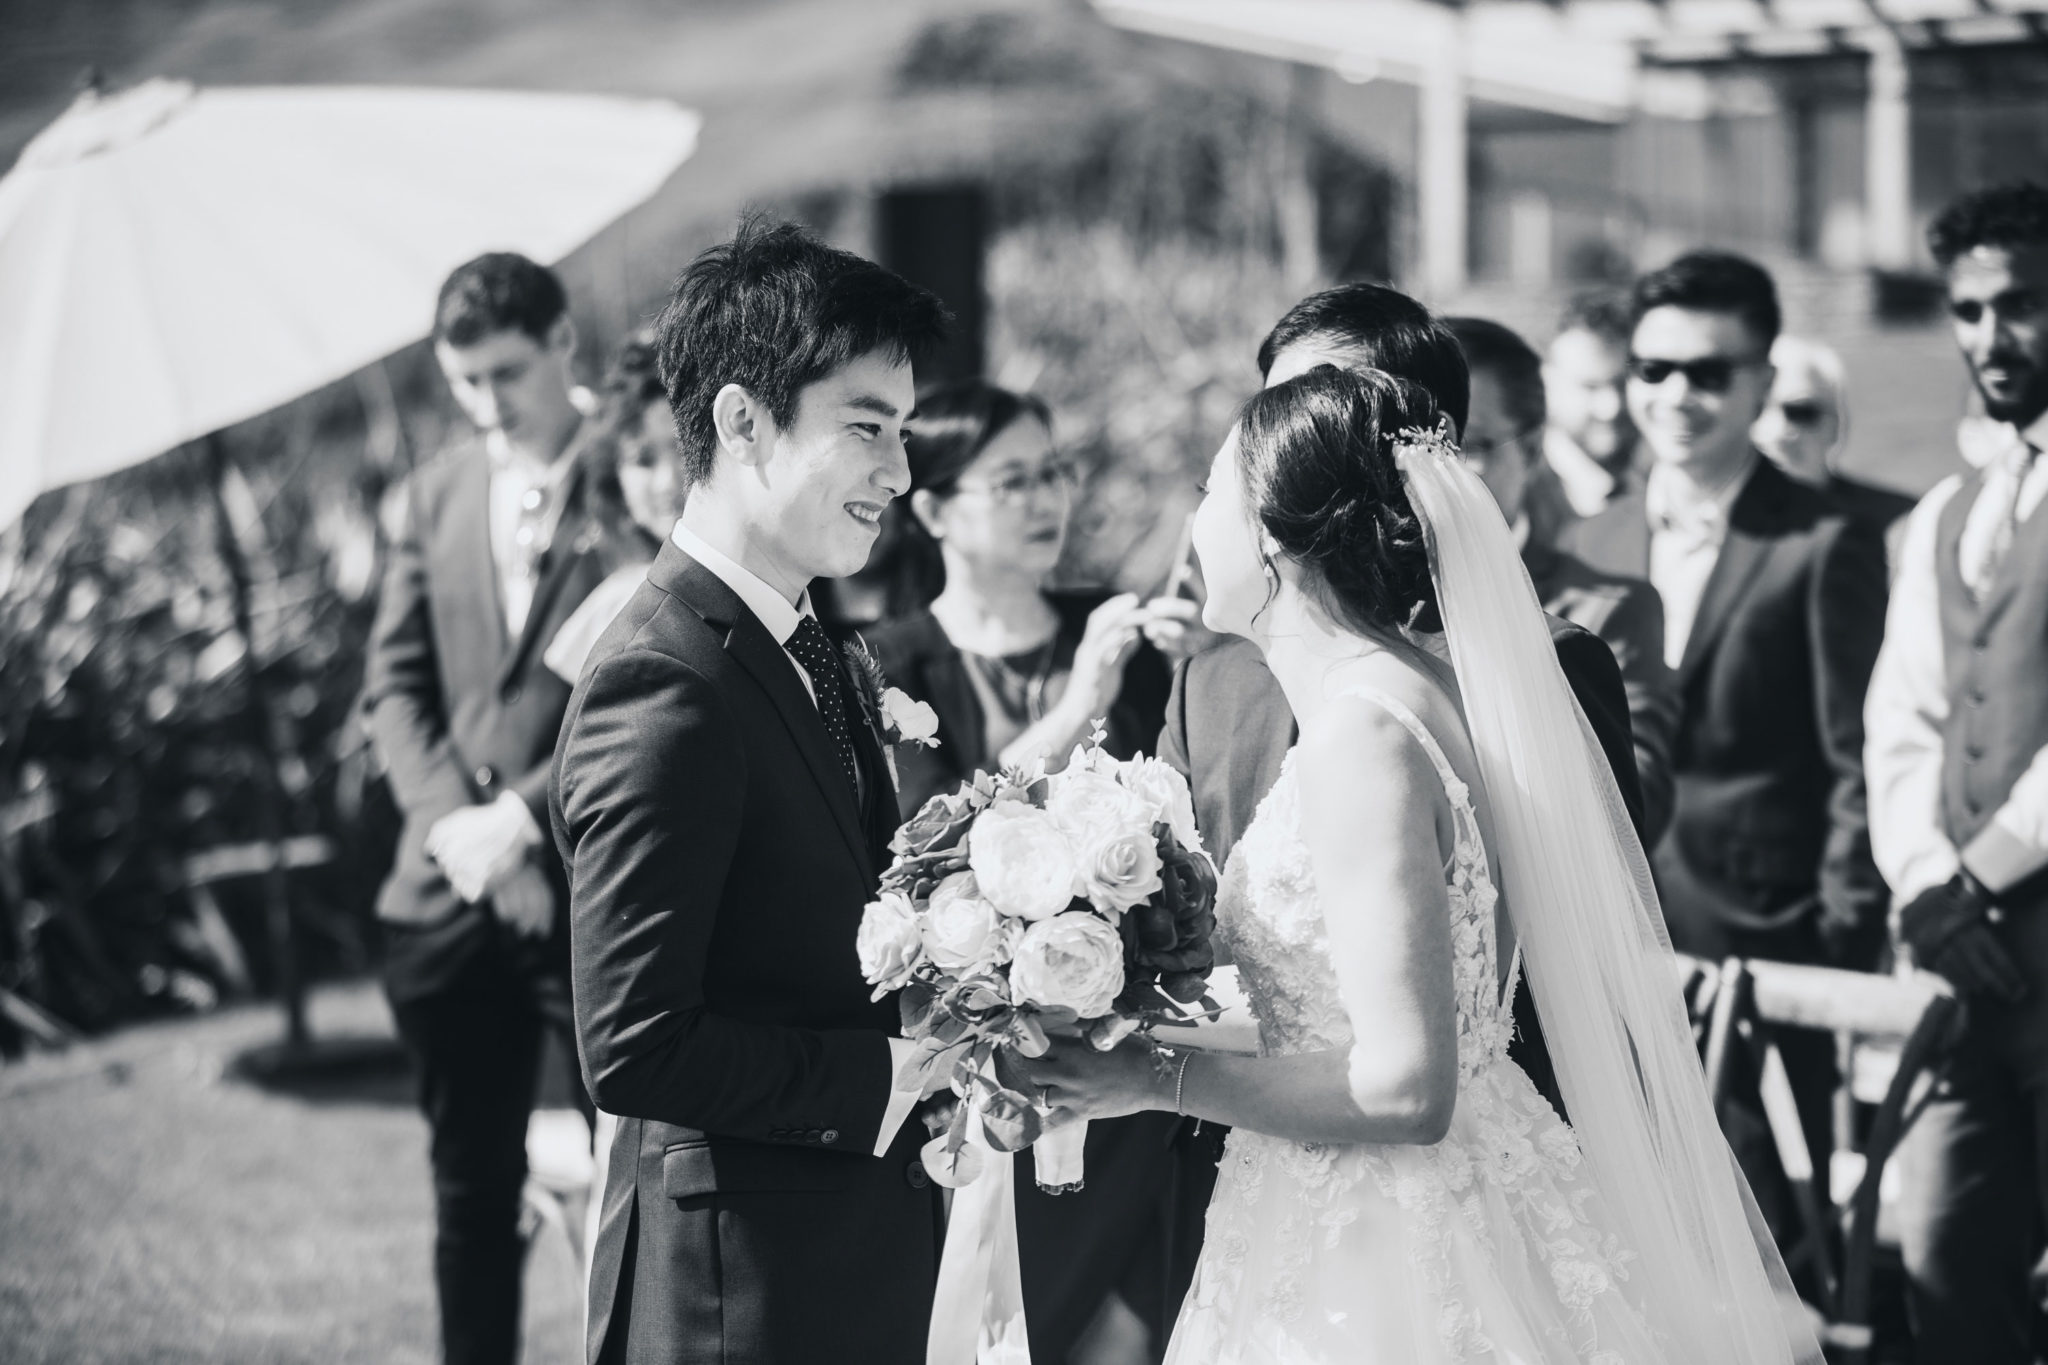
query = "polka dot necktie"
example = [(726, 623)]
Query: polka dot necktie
[(811, 648)]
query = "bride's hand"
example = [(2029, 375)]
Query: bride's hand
[(1085, 1084)]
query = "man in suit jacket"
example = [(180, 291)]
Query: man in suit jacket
[(1501, 443), (493, 552), (1774, 606), (725, 809), (1805, 425), (1589, 446)]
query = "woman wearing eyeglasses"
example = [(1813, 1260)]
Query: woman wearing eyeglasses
[(1016, 671)]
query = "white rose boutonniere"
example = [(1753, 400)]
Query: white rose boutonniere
[(893, 718)]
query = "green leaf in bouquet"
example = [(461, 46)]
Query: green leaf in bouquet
[(1010, 1072), (929, 1056), (1010, 1121), (980, 1002), (1027, 1035), (1186, 987), (916, 1002)]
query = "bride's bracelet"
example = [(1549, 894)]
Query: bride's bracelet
[(1180, 1081)]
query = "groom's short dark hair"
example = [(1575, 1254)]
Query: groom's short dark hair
[(1382, 329), (775, 310)]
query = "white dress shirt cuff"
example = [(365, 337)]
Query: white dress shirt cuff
[(529, 835), (901, 1101), (2014, 845)]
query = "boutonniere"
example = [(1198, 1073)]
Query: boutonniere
[(892, 715)]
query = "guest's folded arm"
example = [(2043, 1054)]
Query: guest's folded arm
[(649, 853)]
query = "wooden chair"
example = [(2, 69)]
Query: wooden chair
[(1917, 1013)]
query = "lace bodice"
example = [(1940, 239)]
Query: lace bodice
[(1270, 917)]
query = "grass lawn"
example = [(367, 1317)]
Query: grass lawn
[(155, 1208)]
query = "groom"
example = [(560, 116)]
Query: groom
[(724, 811)]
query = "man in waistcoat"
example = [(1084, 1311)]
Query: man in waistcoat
[(1958, 778)]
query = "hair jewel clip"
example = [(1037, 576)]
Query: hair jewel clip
[(1413, 443)]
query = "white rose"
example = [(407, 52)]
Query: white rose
[(1160, 785), (1023, 864), (914, 721), (1093, 808), (1119, 873), (1073, 961), (888, 942), (962, 931)]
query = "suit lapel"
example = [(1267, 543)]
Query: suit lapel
[(568, 564), (1743, 552), (472, 533), (2029, 550), (755, 650)]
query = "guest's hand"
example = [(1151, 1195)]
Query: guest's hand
[(1948, 928), (477, 845), (523, 899), (1106, 646), (1080, 1083), (1174, 626)]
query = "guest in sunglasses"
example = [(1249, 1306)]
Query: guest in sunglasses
[(1774, 601), (1805, 427)]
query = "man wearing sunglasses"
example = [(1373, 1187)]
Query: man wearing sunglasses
[(1774, 606), (1805, 427), (1958, 761)]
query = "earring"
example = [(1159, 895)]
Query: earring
[(1272, 576)]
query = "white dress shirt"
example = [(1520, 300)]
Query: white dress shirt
[(781, 617), (1688, 526), (514, 475), (1586, 482), (1907, 707)]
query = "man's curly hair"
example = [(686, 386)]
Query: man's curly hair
[(2010, 215)]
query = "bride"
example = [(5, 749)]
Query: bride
[(1394, 1188)]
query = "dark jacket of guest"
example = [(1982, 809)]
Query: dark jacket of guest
[(459, 710), (1770, 840), (917, 656), (1628, 617)]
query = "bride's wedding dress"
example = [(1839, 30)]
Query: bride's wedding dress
[(1490, 1245)]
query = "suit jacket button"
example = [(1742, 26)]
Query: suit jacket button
[(484, 776), (510, 694), (830, 1135), (815, 1135), (915, 1174)]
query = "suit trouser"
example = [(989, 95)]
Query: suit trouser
[(1970, 1207), (476, 1040)]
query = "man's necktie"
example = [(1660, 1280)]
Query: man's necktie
[(813, 649), (1980, 569)]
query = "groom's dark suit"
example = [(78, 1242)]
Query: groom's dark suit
[(719, 861)]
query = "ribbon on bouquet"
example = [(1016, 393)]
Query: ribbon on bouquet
[(978, 1310)]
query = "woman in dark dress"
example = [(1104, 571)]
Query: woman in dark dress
[(1017, 671)]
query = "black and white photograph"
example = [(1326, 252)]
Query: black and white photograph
[(1024, 682)]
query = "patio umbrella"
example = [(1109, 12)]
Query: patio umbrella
[(174, 260)]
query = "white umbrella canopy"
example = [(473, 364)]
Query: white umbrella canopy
[(174, 259)]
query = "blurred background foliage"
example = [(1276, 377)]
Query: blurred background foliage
[(1144, 227)]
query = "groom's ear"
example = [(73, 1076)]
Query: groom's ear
[(745, 430)]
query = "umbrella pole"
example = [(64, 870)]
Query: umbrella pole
[(271, 800)]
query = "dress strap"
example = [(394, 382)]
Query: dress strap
[(1454, 786)]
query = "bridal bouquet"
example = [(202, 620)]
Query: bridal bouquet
[(1025, 906)]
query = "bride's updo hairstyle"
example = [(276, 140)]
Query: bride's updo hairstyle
[(1317, 455)]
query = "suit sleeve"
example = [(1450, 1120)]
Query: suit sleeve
[(1173, 736), (1846, 610), (652, 784), (1635, 633), (402, 686), (1595, 679)]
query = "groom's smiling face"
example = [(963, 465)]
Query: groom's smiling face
[(816, 501)]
